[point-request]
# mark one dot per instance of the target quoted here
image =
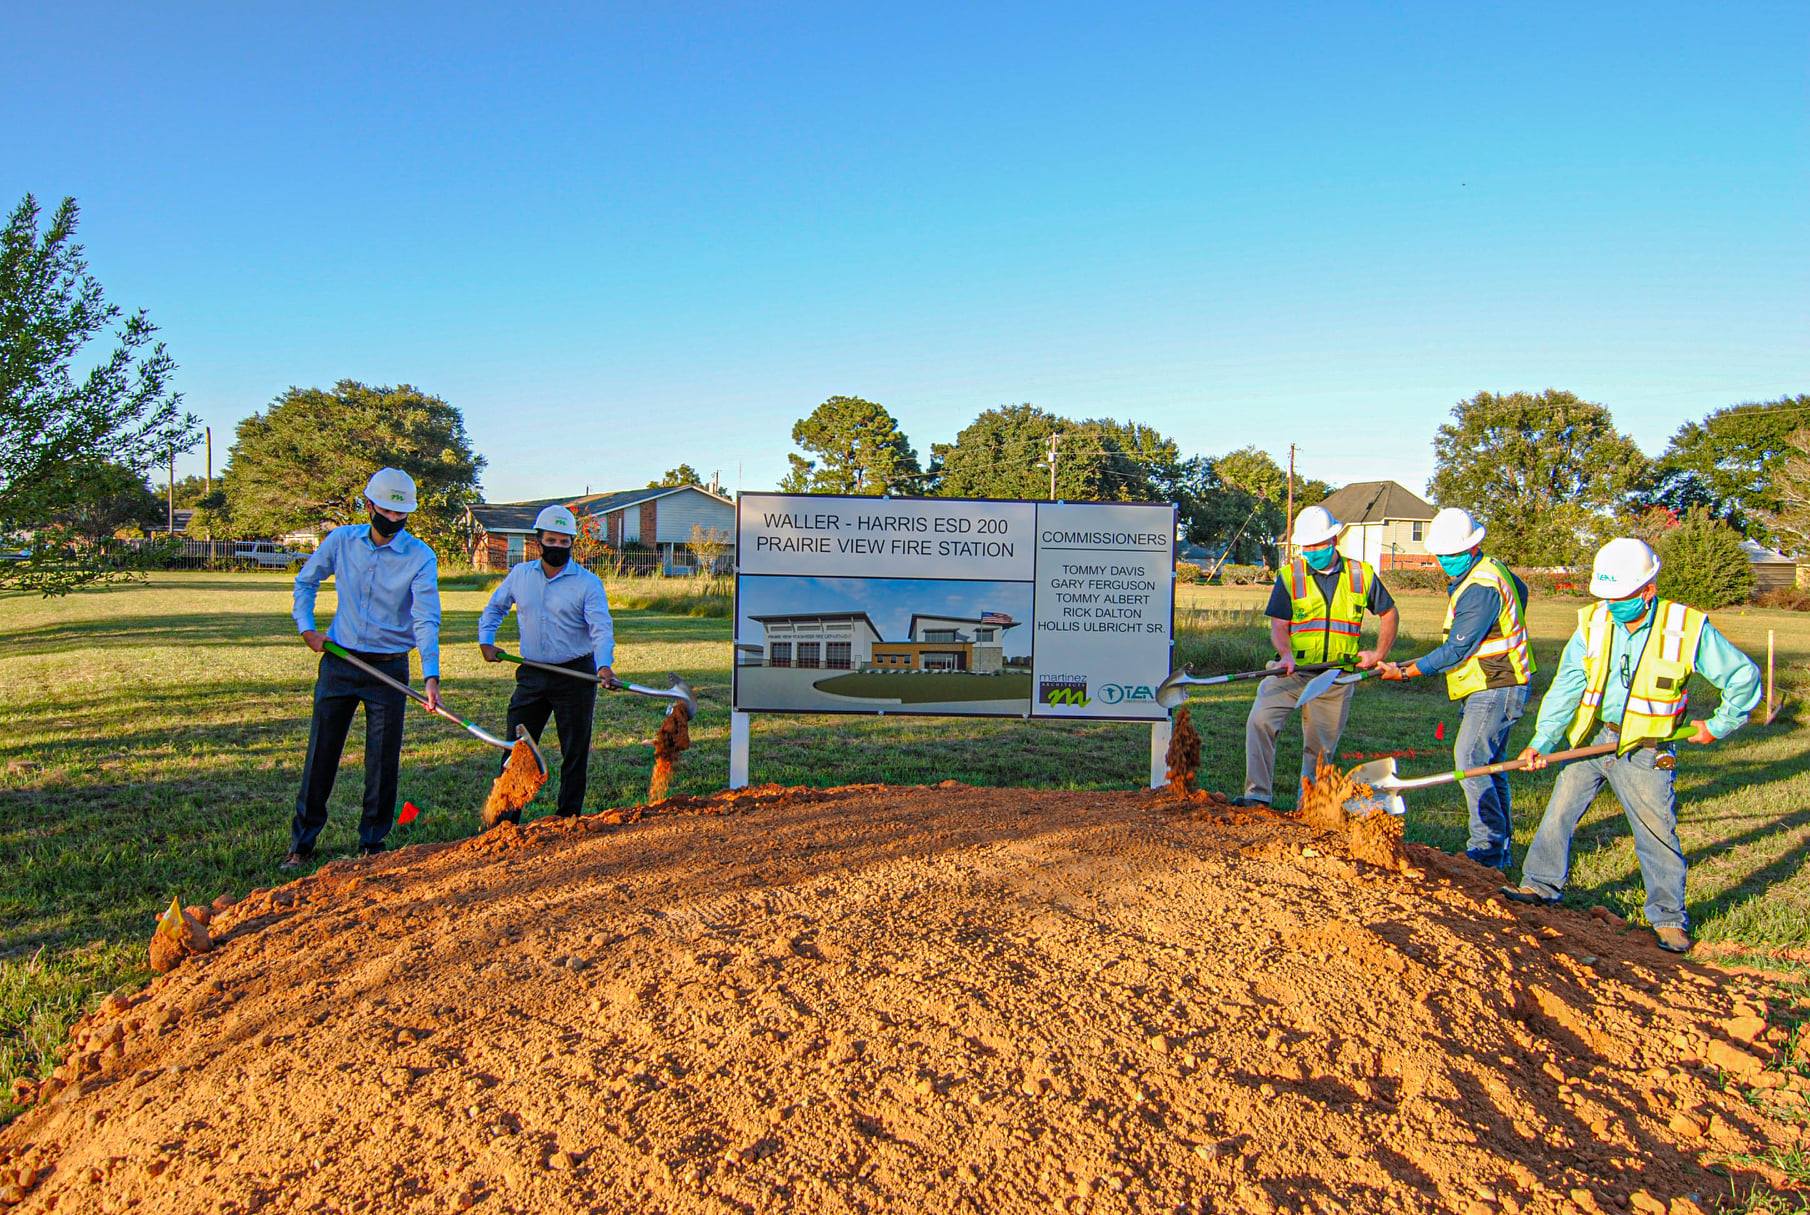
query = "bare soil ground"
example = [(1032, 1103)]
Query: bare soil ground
[(906, 999)]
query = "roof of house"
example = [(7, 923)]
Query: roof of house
[(1757, 554), (519, 516), (861, 616), (1376, 502), (911, 630)]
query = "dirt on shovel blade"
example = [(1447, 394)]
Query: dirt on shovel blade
[(516, 787), (673, 739)]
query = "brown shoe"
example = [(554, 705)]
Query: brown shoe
[(1673, 939), (294, 860), (1526, 894)]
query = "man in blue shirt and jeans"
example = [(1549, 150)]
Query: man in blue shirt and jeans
[(388, 586), (565, 620)]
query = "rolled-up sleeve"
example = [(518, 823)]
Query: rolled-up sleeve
[(490, 620), (316, 570), (1735, 675), (424, 595), (602, 628)]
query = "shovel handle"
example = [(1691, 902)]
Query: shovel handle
[(339, 651), (506, 656), (1563, 757)]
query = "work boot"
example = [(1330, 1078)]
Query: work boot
[(372, 849), (1526, 894), (1250, 801), (1673, 939), (295, 860)]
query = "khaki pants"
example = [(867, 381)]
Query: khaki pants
[(1322, 721)]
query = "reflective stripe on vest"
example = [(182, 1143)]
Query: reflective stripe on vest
[(1507, 638), (1327, 632), (1657, 699)]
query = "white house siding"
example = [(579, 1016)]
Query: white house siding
[(678, 513), (791, 634)]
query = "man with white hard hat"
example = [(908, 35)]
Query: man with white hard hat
[(1487, 662), (1316, 612), (1622, 680), (564, 618), (388, 588)]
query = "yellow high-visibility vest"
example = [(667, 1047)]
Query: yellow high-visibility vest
[(1327, 632), (1656, 697), (1504, 660)]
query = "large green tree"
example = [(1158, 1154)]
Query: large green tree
[(1005, 453), (1545, 472), (1789, 522), (304, 461), (1240, 500), (1729, 462), (72, 415), (114, 498), (853, 446)]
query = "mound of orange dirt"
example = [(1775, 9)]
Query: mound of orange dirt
[(904, 999), (520, 780)]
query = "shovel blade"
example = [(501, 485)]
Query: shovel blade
[(682, 694), (1173, 691), (1379, 774), (1318, 684)]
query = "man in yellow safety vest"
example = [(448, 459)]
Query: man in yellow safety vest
[(1316, 612), (1487, 664), (1622, 680)]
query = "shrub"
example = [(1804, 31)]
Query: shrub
[(1556, 584), (1185, 572), (1701, 563), (1246, 575), (1429, 578), (1791, 598)]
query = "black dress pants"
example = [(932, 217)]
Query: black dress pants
[(338, 691), (570, 702)]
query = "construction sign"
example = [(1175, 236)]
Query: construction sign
[(953, 606)]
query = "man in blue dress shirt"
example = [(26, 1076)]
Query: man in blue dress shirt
[(564, 619), (388, 584)]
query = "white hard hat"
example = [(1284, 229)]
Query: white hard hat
[(1622, 568), (556, 519), (1314, 525), (392, 489), (1453, 531)]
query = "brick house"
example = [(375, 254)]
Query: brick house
[(1385, 524), (656, 522)]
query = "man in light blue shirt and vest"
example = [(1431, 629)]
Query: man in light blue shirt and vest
[(564, 619), (1622, 680), (388, 588)]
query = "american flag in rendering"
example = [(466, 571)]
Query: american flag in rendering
[(996, 618)]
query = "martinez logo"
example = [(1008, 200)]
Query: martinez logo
[(1118, 693), (1062, 690)]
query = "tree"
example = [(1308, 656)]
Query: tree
[(115, 497), (1543, 472), (63, 435), (1701, 563), (304, 462), (1729, 462), (707, 545), (1789, 523), (858, 449), (684, 474), (589, 546), (1240, 499), (1005, 452)]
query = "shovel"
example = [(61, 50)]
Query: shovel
[(1171, 692), (1319, 683), (677, 691), (476, 731), (1380, 775)]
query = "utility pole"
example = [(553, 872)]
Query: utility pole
[(1054, 439), (1288, 518), (210, 460), (172, 518)]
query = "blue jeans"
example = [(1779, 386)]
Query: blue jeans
[(1483, 739), (1646, 796)]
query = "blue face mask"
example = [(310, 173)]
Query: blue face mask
[(1322, 559), (1627, 611), (1455, 566)]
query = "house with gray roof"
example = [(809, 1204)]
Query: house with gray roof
[(1385, 524)]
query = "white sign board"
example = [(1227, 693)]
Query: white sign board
[(952, 606)]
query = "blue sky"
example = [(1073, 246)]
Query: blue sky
[(619, 238), (888, 602)]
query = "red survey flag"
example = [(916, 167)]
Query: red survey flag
[(410, 812)]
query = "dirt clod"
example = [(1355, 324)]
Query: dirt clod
[(521, 779), (1183, 756), (954, 998), (180, 933), (672, 740)]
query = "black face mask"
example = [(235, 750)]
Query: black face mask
[(555, 557), (387, 527)]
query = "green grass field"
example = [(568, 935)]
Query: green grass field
[(154, 736), (916, 688)]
